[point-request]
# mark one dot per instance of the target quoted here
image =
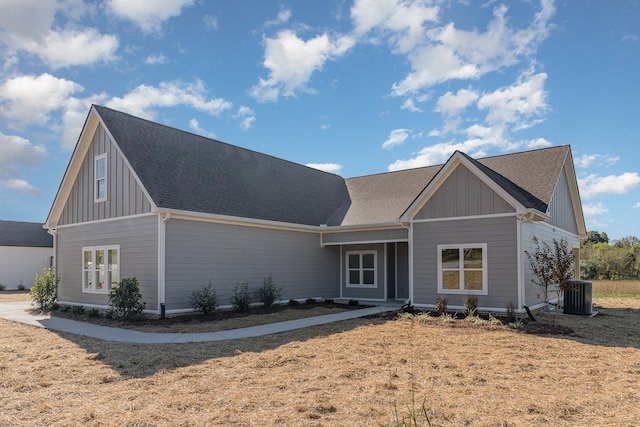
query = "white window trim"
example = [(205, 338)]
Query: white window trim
[(375, 269), (461, 290), (96, 179), (93, 249)]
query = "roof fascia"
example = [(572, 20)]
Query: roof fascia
[(447, 169), (574, 191), (73, 168)]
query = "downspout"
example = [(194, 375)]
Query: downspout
[(163, 218), (522, 219), (409, 228)]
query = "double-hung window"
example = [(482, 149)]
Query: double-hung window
[(100, 178), (100, 268), (462, 269), (361, 269)]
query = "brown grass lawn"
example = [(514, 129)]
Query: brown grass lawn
[(348, 373)]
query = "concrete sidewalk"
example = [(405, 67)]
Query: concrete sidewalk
[(18, 312)]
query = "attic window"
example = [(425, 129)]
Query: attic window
[(100, 173)]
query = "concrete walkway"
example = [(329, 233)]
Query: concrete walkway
[(18, 312)]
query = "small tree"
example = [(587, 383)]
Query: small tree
[(553, 267), (43, 291), (269, 292), (204, 299), (125, 300)]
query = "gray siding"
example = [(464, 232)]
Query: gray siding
[(500, 235), (402, 271), (200, 252), (124, 195), (138, 240), (365, 293), (463, 194), (544, 233), (373, 236), (561, 208)]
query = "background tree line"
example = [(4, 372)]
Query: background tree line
[(602, 260)]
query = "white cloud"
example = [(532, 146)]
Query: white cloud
[(436, 154), (16, 152), (20, 185), (595, 185), (195, 126), (283, 17), (586, 160), (594, 209), (143, 99), (210, 22), (246, 116), (516, 103), (148, 15), (442, 53), (291, 62), (452, 104), (155, 58), (327, 167), (637, 205), (31, 99), (410, 105), (396, 137)]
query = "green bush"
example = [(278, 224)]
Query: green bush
[(93, 312), (310, 301), (2, 286), (269, 292), (353, 302), (21, 287), (43, 291), (125, 300), (293, 302), (77, 309), (241, 298), (204, 299)]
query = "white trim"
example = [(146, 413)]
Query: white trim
[(361, 269), (94, 271), (466, 218), (385, 271), (99, 221), (410, 255), (461, 290), (520, 260), (97, 179), (161, 259), (341, 270), (364, 242)]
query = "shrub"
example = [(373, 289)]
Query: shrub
[(441, 306), (125, 300), (269, 292), (43, 291), (21, 287), (204, 299), (241, 298), (311, 301), (77, 309), (471, 305), (93, 312), (2, 286), (353, 302), (293, 302), (328, 301)]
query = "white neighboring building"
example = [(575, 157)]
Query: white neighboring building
[(25, 250)]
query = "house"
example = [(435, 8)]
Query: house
[(178, 211), (26, 249)]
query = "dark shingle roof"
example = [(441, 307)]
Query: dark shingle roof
[(184, 171), (31, 234)]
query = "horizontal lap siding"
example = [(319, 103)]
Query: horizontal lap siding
[(500, 236), (138, 240), (200, 252)]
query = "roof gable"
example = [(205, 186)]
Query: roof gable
[(187, 172)]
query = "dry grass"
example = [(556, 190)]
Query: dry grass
[(14, 296), (348, 373), (616, 288)]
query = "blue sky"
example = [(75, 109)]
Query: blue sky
[(353, 87)]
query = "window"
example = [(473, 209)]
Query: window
[(100, 172), (361, 269), (462, 269), (100, 268)]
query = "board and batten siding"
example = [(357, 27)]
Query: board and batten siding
[(560, 208), (199, 253), (20, 264), (500, 235), (124, 195), (544, 233), (463, 194), (138, 240), (377, 293)]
